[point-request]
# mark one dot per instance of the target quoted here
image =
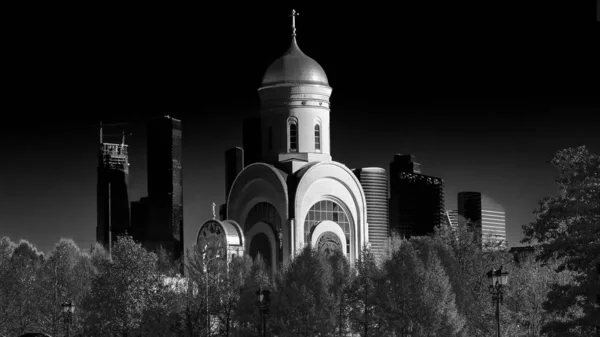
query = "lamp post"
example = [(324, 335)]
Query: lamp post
[(206, 262), (264, 299), (498, 279), (68, 308)]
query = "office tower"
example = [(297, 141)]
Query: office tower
[(165, 187), (485, 215), (493, 221), (374, 182), (416, 200), (453, 217), (234, 164), (112, 193)]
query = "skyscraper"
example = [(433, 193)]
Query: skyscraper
[(486, 215), (165, 187), (112, 189), (453, 217), (416, 200), (374, 182)]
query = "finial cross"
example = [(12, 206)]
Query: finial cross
[(293, 15), (214, 212)]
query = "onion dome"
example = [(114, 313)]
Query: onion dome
[(294, 67)]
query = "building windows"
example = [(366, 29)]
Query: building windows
[(317, 138), (327, 210), (293, 132)]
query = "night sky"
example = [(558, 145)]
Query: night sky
[(482, 94)]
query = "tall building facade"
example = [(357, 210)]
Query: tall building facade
[(374, 181), (487, 217), (112, 188), (452, 217), (164, 225), (416, 200)]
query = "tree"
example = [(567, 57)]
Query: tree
[(161, 316), (304, 304), (466, 264), (65, 276), (364, 315), (233, 274), (247, 315), (121, 291), (21, 288), (567, 227), (7, 303), (530, 284), (417, 297), (340, 288)]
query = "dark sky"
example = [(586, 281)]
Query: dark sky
[(482, 95)]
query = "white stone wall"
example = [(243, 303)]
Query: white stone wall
[(307, 105), (332, 181), (260, 183)]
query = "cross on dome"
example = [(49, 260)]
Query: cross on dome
[(293, 15)]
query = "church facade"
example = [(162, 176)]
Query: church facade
[(295, 194)]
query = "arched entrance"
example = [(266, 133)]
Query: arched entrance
[(260, 245), (329, 242)]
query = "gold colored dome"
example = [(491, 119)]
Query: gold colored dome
[(294, 67)]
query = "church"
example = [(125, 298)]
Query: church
[(293, 193)]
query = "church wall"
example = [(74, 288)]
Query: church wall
[(306, 105), (332, 181), (259, 183)]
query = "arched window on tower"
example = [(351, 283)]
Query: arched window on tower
[(293, 132), (317, 138)]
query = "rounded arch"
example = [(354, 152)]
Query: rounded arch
[(259, 229), (292, 134), (332, 180), (325, 227), (318, 134), (257, 182), (332, 214)]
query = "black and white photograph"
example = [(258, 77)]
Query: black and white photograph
[(411, 169)]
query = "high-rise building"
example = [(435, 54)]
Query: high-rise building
[(493, 221), (112, 189), (453, 217), (485, 215), (164, 227), (416, 200), (374, 182)]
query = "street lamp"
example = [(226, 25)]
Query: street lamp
[(206, 262), (68, 308), (264, 299), (498, 279)]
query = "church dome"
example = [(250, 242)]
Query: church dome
[(294, 67)]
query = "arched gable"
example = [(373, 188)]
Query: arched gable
[(331, 181), (258, 182)]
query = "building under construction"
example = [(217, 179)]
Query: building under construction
[(113, 180)]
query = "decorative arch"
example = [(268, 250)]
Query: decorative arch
[(327, 230), (263, 212), (258, 183), (258, 230), (333, 181), (328, 214)]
